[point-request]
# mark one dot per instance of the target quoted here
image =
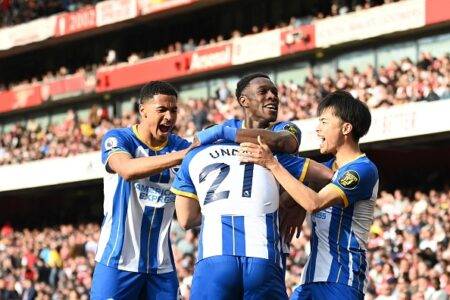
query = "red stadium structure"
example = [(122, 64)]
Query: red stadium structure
[(69, 74)]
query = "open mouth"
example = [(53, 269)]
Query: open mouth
[(271, 107), (165, 128), (322, 141)]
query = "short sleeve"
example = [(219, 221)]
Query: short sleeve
[(289, 127), (355, 182), (112, 142), (295, 165), (182, 184), (180, 143)]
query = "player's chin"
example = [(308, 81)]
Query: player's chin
[(271, 115)]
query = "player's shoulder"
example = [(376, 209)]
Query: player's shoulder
[(235, 123), (361, 168), (177, 141), (287, 126), (120, 132), (205, 149)]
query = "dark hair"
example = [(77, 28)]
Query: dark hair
[(243, 83), (156, 88), (349, 110)]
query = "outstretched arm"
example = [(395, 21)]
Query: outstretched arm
[(281, 141)]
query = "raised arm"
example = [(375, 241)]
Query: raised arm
[(285, 140), (282, 141)]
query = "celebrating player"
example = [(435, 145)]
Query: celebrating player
[(342, 211), (258, 96), (134, 255), (239, 251)]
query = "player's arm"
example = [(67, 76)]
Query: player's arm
[(117, 158), (310, 200), (188, 212), (281, 141), (186, 200), (292, 217), (318, 175), (130, 168)]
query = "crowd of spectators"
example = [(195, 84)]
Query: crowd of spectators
[(397, 83), (14, 12), (19, 11), (408, 254)]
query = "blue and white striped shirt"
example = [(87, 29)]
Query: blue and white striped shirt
[(137, 213)]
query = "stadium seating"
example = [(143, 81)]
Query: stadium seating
[(397, 83), (409, 253)]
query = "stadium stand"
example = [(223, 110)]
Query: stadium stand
[(59, 94), (409, 252), (397, 83)]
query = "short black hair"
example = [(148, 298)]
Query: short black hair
[(349, 110), (156, 88), (243, 83)]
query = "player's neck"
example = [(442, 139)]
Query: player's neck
[(347, 152), (250, 123), (146, 136)]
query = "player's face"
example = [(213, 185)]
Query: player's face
[(261, 100), (160, 115), (329, 131)]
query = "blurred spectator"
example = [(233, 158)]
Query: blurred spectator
[(398, 267), (394, 84)]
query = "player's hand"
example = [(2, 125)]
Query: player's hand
[(257, 153), (291, 220), (215, 133)]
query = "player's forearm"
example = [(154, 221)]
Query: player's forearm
[(303, 195), (142, 167), (277, 141), (318, 174)]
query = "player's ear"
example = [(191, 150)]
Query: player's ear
[(243, 101), (142, 111), (347, 128)]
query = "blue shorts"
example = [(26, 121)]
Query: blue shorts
[(237, 277), (326, 290), (111, 283)]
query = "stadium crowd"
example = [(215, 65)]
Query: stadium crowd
[(16, 12), (397, 83), (408, 253), (20, 11)]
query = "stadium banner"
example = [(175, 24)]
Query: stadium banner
[(159, 68), (20, 97), (402, 121), (63, 170), (69, 86), (384, 19), (26, 33), (153, 6), (72, 22), (437, 11), (297, 39), (113, 11), (256, 47), (210, 58)]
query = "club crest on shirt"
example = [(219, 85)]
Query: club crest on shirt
[(291, 128), (110, 143), (349, 179)]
